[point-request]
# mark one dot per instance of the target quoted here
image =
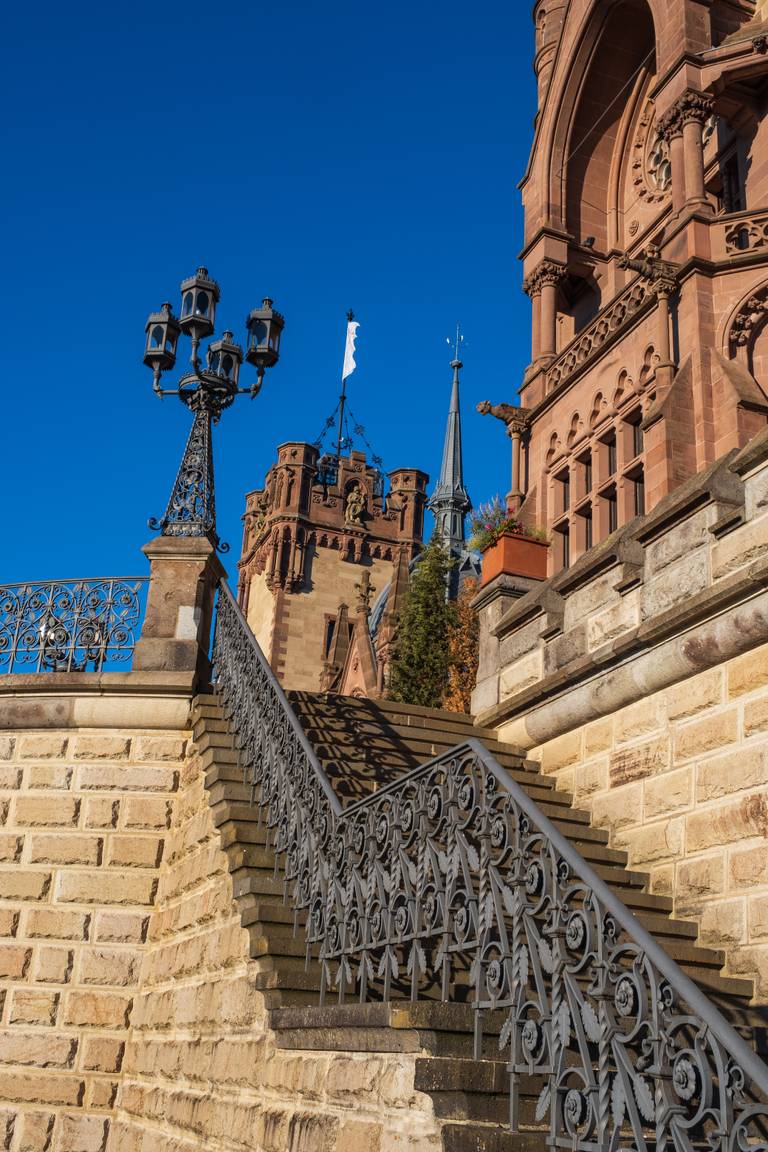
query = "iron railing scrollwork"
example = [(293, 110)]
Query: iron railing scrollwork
[(69, 625), (452, 884)]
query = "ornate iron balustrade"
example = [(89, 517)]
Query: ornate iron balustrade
[(636, 298), (69, 625), (452, 884)]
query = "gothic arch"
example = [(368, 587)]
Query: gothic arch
[(616, 39), (745, 333)]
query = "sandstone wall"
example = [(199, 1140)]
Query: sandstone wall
[(201, 1068), (84, 815), (640, 678)]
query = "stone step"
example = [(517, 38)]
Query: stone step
[(474, 1136)]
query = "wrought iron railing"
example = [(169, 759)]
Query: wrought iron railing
[(452, 884), (70, 625)]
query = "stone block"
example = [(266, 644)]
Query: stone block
[(102, 1054), (748, 867), (97, 1009), (678, 582), (9, 922), (14, 961), (598, 737), (7, 746), (16, 884), (638, 761), (695, 694), (9, 1119), (619, 808), (757, 918), (703, 876), (755, 716), (53, 965), (731, 772), (697, 737), (101, 1093), (561, 752), (10, 776), (101, 812), (671, 546), (640, 719), (38, 1048), (160, 748), (740, 548), (10, 848), (135, 851), (58, 924), (92, 747), (64, 848), (33, 1006), (355, 1135), (120, 927), (520, 674), (590, 778), (152, 812), (724, 923), (45, 746), (660, 841), (36, 1131), (54, 811), (114, 966), (662, 882), (727, 822), (81, 1133), (748, 672), (49, 776), (619, 618), (30, 1088), (105, 888), (126, 778)]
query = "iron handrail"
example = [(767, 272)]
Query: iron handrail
[(456, 858)]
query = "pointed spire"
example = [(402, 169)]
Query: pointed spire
[(450, 501)]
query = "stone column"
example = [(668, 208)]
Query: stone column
[(175, 637), (683, 127), (516, 430), (674, 135), (532, 289), (549, 275), (664, 290)]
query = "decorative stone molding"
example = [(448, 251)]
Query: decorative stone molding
[(749, 317), (747, 234), (652, 166), (548, 272)]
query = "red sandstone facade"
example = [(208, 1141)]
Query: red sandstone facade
[(645, 258)]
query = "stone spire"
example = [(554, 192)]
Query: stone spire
[(449, 501)]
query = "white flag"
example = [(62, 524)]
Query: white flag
[(349, 351)]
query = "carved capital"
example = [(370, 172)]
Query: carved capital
[(548, 272), (691, 107)]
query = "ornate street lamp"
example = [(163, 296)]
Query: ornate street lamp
[(206, 391)]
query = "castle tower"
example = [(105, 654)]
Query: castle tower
[(309, 533)]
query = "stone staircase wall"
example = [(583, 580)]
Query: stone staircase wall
[(202, 1068), (681, 780), (84, 816)]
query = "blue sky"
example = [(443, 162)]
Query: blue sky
[(329, 155)]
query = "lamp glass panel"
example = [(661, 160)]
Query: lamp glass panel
[(202, 304), (186, 306), (157, 336)]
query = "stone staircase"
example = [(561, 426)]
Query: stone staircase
[(362, 746)]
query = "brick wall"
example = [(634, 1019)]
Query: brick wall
[(681, 780), (201, 1068), (84, 816)]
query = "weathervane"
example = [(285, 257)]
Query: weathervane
[(457, 343)]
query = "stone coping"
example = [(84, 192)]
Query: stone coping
[(96, 699), (701, 651)]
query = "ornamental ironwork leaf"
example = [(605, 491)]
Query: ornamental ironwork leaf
[(506, 1033), (472, 858), (412, 873), (591, 1022), (508, 897), (442, 859), (542, 1104), (618, 1101), (522, 965), (546, 957), (564, 1024), (644, 1098)]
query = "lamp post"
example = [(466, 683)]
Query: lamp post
[(205, 391)]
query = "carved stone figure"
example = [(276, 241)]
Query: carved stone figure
[(353, 513)]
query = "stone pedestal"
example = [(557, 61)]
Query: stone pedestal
[(175, 637)]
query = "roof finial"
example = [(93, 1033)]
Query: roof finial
[(456, 362)]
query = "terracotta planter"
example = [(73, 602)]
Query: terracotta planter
[(515, 555)]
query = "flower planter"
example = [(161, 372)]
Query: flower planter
[(515, 555)]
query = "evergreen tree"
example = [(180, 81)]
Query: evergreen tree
[(421, 659), (463, 649)]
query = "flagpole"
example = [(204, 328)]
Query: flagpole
[(343, 397)]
